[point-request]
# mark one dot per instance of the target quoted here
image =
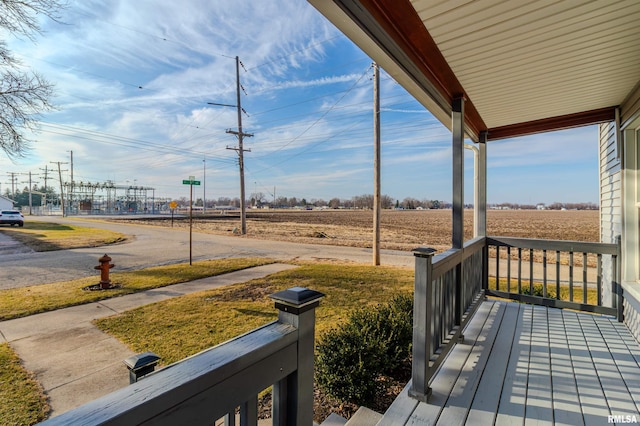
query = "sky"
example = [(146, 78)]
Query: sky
[(133, 80)]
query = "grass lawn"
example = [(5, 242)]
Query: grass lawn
[(20, 302), (21, 399), (45, 236), (180, 327)]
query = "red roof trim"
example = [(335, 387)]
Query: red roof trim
[(401, 21), (561, 122)]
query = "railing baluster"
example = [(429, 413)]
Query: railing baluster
[(485, 267), (571, 276), (230, 419), (519, 270), (497, 267), (438, 318), (599, 279), (531, 272), (459, 294), (584, 278), (558, 274), (509, 269), (249, 412), (544, 273)]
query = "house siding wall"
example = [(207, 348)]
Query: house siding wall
[(5, 203), (610, 197), (629, 118), (632, 311)]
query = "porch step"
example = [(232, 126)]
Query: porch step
[(364, 417), (334, 420)]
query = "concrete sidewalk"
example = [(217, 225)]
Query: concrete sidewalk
[(73, 360)]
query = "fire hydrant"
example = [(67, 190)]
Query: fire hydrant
[(104, 267)]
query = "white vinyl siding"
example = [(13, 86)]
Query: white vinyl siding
[(610, 196), (610, 185)]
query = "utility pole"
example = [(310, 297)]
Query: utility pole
[(240, 150), (71, 186), (61, 187), (13, 184), (44, 204), (376, 165), (204, 186), (30, 195)]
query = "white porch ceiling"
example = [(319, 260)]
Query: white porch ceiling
[(524, 66), (520, 61)]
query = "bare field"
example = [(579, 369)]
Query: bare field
[(400, 229)]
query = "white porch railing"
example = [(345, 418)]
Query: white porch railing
[(449, 286), (448, 289), (556, 273), (212, 384)]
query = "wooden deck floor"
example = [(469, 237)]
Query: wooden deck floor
[(523, 364)]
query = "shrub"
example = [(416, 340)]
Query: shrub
[(537, 290), (373, 342)]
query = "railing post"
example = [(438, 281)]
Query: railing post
[(617, 286), (293, 395), (485, 265), (422, 323)]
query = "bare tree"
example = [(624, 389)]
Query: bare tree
[(23, 94)]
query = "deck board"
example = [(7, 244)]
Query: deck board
[(624, 359), (449, 373), (616, 393), (523, 364), (563, 377), (590, 395), (514, 388), (539, 406), (485, 404), (462, 395)]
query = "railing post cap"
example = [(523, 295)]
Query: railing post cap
[(294, 299), (423, 251), (145, 359)]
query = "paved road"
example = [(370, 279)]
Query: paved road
[(151, 246)]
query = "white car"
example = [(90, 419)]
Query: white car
[(11, 217)]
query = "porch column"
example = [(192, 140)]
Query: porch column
[(457, 129), (481, 201)]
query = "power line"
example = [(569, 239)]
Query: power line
[(324, 114), (121, 140)]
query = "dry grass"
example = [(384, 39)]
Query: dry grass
[(400, 230), (538, 290), (22, 401), (201, 320), (44, 236), (19, 302)]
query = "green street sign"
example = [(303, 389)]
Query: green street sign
[(190, 182)]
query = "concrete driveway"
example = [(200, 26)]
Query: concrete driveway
[(152, 246)]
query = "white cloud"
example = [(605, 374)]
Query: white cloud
[(134, 79)]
